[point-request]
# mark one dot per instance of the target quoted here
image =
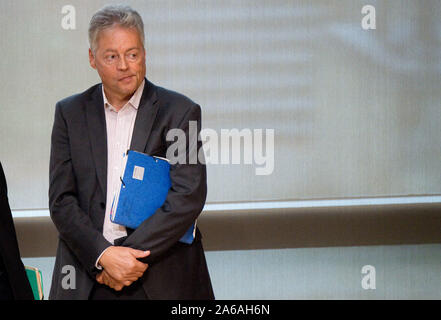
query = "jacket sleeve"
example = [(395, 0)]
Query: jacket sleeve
[(185, 199), (9, 250), (73, 224)]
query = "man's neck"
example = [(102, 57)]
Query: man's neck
[(117, 101)]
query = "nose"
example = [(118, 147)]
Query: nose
[(122, 63)]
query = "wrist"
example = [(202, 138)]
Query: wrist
[(101, 261)]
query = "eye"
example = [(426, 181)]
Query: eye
[(110, 57), (132, 56)]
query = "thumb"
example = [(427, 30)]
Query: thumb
[(140, 254)]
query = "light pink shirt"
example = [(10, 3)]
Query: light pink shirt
[(119, 126)]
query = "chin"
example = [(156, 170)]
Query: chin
[(128, 89)]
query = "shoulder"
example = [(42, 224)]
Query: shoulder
[(74, 102), (175, 102)]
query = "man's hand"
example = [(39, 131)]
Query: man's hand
[(121, 267), (105, 278)]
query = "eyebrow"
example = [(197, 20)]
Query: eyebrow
[(114, 50)]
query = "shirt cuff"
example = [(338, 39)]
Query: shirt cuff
[(97, 265)]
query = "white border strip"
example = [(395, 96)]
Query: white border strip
[(322, 203), (30, 213), (279, 204)]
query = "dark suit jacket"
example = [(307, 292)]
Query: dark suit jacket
[(77, 195), (14, 283)]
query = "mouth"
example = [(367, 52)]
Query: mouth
[(125, 79)]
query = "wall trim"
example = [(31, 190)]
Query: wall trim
[(284, 224)]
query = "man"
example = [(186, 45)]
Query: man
[(14, 284), (91, 132)]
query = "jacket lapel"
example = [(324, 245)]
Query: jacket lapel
[(96, 124), (147, 110)]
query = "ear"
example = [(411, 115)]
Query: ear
[(92, 59)]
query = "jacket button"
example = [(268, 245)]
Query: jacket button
[(102, 205)]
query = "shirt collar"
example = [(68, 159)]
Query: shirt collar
[(134, 100)]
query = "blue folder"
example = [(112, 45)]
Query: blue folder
[(144, 186)]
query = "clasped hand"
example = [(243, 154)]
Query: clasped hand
[(121, 267)]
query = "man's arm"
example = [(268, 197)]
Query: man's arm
[(184, 202), (73, 224)]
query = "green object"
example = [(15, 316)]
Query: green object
[(36, 280)]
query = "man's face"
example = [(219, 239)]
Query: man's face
[(120, 61)]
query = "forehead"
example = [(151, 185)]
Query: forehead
[(118, 38)]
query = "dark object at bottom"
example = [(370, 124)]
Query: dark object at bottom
[(133, 292)]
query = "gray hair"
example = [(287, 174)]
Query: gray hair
[(110, 16)]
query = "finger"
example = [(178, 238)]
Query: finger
[(115, 285), (136, 269), (139, 267), (109, 280), (139, 253), (100, 277), (131, 274), (106, 280), (126, 281), (130, 278)]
